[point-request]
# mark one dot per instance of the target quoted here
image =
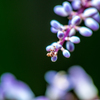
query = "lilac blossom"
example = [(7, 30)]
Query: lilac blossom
[(76, 11)]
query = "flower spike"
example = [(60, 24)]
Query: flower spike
[(85, 10)]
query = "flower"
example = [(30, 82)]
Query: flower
[(85, 10), (61, 85), (11, 88)]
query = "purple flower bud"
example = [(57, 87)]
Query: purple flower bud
[(74, 39), (72, 32), (70, 46), (60, 34), (85, 31), (91, 23), (54, 44), (53, 30), (54, 58), (97, 17), (67, 7), (76, 20), (76, 4), (90, 12), (55, 24), (66, 53), (59, 10), (96, 3), (57, 45), (49, 48)]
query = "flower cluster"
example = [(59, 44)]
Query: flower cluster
[(13, 89), (76, 85), (77, 11)]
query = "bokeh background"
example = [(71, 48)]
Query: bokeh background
[(24, 34)]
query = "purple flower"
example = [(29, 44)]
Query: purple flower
[(76, 4), (92, 24), (67, 6), (15, 89), (85, 31), (60, 34), (85, 10), (54, 58), (66, 53), (60, 84), (83, 84), (70, 46), (90, 12), (59, 10), (96, 17), (76, 20)]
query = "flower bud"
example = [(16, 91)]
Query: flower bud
[(57, 45), (91, 23), (66, 53), (97, 17), (59, 10), (53, 30), (70, 46), (67, 7), (90, 12), (49, 48), (60, 34), (76, 20), (54, 58), (55, 24), (74, 39), (85, 31), (72, 32), (76, 4), (96, 3)]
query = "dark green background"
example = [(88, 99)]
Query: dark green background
[(24, 34)]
